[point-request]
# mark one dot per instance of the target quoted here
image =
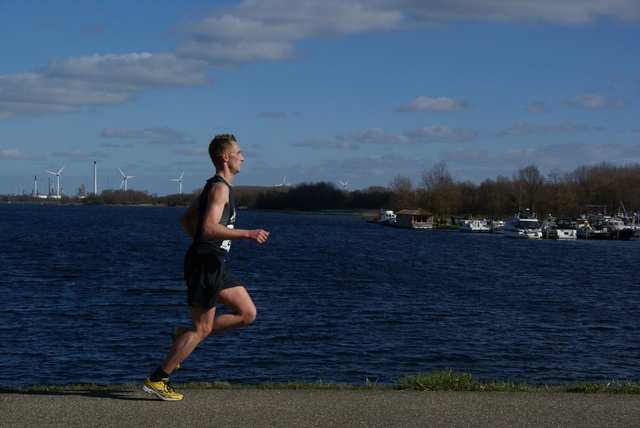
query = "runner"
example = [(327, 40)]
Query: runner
[(209, 221)]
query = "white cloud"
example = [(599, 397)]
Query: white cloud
[(435, 104), (566, 12), (146, 133), (595, 101), (375, 136), (17, 154), (355, 168), (79, 154), (268, 30), (523, 128), (538, 107), (554, 155), (324, 144), (67, 86), (440, 134), (427, 134)]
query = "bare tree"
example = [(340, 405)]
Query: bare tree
[(532, 181), (442, 195), (402, 189), (558, 199)]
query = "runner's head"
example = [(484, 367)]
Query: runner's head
[(222, 143)]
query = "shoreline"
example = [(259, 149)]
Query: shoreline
[(441, 381)]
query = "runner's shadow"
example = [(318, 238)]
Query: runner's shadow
[(113, 394)]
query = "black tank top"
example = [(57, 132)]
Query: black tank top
[(203, 245)]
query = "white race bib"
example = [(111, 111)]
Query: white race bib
[(226, 245)]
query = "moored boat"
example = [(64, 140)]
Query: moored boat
[(475, 226), (496, 224), (523, 226), (559, 228), (606, 228), (387, 217)]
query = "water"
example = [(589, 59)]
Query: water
[(91, 294)]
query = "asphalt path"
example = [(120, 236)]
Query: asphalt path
[(317, 408)]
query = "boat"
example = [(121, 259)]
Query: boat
[(496, 225), (475, 226), (606, 228), (523, 226), (385, 218), (559, 228)]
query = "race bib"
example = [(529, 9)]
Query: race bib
[(226, 245)]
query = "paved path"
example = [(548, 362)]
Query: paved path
[(317, 408)]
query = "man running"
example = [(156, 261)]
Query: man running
[(209, 221)]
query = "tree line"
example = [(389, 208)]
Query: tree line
[(602, 187)]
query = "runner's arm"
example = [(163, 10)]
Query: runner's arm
[(212, 229), (189, 219)]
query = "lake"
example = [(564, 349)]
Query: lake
[(91, 295)]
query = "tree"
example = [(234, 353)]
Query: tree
[(531, 181), (442, 196), (402, 189), (557, 198), (495, 197)]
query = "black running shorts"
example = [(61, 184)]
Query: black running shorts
[(206, 276)]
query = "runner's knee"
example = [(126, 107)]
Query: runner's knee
[(248, 316)]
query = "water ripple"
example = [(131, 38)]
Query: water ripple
[(92, 297)]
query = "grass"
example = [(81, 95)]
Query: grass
[(446, 380)]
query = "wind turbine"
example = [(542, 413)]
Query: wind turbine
[(57, 174), (124, 179), (344, 184), (284, 182), (179, 180)]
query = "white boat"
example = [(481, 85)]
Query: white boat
[(387, 217), (559, 228), (475, 226), (523, 226), (496, 225)]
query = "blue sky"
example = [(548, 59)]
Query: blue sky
[(337, 90)]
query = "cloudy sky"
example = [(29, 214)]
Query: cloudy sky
[(336, 90)]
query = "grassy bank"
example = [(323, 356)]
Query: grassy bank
[(436, 381)]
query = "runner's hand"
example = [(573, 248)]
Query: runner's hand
[(258, 235)]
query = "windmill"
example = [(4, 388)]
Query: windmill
[(284, 182), (57, 174), (179, 180), (344, 184), (124, 179)]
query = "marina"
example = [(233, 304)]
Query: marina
[(527, 225)]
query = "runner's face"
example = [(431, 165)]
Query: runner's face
[(235, 158)]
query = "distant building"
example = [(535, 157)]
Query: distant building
[(456, 219), (414, 219)]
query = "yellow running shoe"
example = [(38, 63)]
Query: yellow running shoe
[(162, 390), (176, 333)]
